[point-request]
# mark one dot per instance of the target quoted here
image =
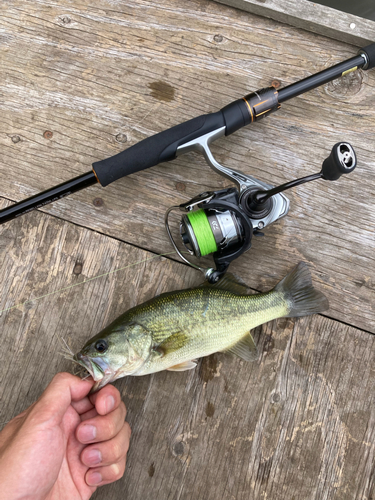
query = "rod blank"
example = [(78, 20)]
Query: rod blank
[(147, 155), (48, 196)]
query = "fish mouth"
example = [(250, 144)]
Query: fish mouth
[(98, 369), (85, 362)]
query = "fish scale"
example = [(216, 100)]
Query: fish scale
[(172, 329), (218, 321)]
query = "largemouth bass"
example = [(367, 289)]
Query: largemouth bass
[(173, 330)]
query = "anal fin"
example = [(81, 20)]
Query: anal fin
[(245, 348)]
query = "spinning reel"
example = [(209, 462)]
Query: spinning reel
[(223, 222)]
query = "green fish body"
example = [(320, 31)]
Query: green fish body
[(172, 330)]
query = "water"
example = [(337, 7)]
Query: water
[(361, 8)]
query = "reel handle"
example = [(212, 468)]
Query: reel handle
[(342, 160)]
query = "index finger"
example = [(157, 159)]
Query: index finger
[(83, 405), (106, 400), (61, 392)]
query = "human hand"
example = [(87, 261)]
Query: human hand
[(66, 444)]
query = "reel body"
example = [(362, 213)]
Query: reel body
[(219, 222), (220, 227), (223, 222)]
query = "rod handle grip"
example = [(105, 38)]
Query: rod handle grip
[(155, 149), (369, 51)]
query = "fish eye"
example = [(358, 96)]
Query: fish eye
[(101, 346)]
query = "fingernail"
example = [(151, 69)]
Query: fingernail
[(87, 433), (93, 457), (94, 478), (109, 403)]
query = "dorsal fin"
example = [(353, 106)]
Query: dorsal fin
[(245, 348), (231, 283)]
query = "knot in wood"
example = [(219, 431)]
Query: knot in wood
[(29, 305), (179, 448), (269, 343), (346, 86), (210, 409), (275, 398), (151, 470), (77, 268), (121, 138)]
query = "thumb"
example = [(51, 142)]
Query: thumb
[(60, 393)]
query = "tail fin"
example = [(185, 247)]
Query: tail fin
[(302, 298)]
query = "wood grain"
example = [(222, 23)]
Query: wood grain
[(70, 285), (104, 76), (313, 17), (100, 76), (133, 208), (298, 423)]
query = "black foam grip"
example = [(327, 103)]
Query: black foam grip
[(369, 50), (155, 149), (236, 116)]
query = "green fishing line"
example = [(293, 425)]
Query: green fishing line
[(203, 232)]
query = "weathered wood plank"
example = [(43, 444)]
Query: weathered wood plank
[(313, 17), (92, 77), (299, 423), (293, 426), (66, 286)]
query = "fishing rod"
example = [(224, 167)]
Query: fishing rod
[(253, 210)]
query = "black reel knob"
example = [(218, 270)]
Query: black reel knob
[(342, 160)]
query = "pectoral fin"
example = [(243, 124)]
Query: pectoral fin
[(182, 367), (173, 343), (245, 349)]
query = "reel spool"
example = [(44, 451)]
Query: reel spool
[(207, 231), (223, 222), (218, 226)]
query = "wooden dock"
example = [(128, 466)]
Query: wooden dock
[(82, 81)]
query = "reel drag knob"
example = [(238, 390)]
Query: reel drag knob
[(342, 160)]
